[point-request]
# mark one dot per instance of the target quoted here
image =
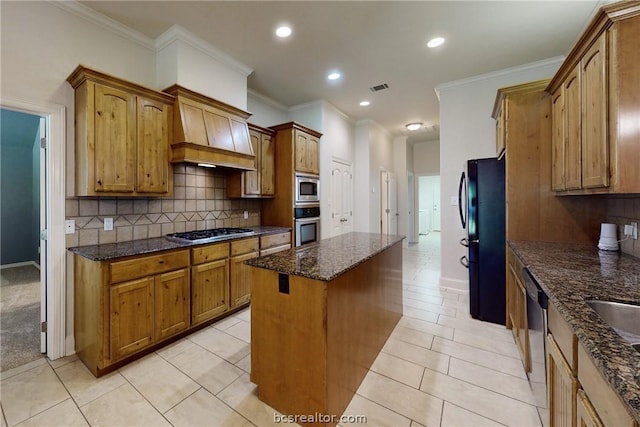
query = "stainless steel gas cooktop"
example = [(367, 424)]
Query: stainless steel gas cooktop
[(211, 235)]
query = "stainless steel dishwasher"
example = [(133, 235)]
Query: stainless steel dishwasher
[(537, 303)]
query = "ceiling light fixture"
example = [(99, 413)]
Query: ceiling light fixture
[(334, 75), (364, 103), (283, 31), (413, 126), (435, 42)]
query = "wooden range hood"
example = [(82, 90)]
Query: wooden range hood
[(210, 132)]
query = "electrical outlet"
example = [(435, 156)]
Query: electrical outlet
[(246, 214), (108, 224), (634, 230), (69, 226)]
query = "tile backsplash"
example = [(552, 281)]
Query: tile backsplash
[(199, 202), (623, 210)]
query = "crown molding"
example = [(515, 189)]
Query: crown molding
[(178, 33), (266, 100), (506, 71), (104, 21)]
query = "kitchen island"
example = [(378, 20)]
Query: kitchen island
[(319, 316)]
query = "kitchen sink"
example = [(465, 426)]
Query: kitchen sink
[(623, 318)]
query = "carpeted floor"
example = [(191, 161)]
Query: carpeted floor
[(19, 316)]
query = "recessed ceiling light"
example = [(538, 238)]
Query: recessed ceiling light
[(435, 42), (364, 103), (283, 31), (334, 75), (413, 126)]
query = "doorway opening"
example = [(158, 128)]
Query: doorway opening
[(53, 254), (22, 257), (428, 204)]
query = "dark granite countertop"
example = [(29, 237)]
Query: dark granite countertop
[(328, 258), (571, 274), (109, 251)]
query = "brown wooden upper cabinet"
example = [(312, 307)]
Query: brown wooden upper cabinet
[(595, 107), (123, 133), (307, 152), (261, 181)]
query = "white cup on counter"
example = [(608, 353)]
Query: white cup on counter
[(608, 237)]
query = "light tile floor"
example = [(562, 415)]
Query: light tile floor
[(440, 367)]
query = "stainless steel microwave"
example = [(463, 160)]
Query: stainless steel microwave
[(307, 189)]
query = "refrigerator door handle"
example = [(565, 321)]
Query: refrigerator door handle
[(464, 261), (463, 182), (464, 242)]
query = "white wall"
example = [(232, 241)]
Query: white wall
[(373, 153), (187, 60), (362, 178), (467, 131), (426, 158), (264, 111), (381, 159), (35, 67)]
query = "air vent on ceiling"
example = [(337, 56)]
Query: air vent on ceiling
[(380, 87)]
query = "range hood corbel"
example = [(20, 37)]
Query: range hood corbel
[(209, 131)]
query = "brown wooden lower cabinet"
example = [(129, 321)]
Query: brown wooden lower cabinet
[(517, 308), (146, 310), (209, 290), (125, 306), (578, 394), (171, 303), (130, 317), (209, 281), (562, 387), (240, 285), (586, 414)]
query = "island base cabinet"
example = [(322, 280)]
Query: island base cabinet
[(291, 342), (313, 341)]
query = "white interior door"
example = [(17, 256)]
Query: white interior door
[(341, 197)]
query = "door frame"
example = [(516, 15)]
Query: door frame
[(412, 236), (55, 115)]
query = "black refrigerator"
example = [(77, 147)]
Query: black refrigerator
[(481, 198)]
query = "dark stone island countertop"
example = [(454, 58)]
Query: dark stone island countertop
[(571, 274), (328, 258), (109, 251)]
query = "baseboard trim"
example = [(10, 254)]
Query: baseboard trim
[(20, 264), (460, 285)]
